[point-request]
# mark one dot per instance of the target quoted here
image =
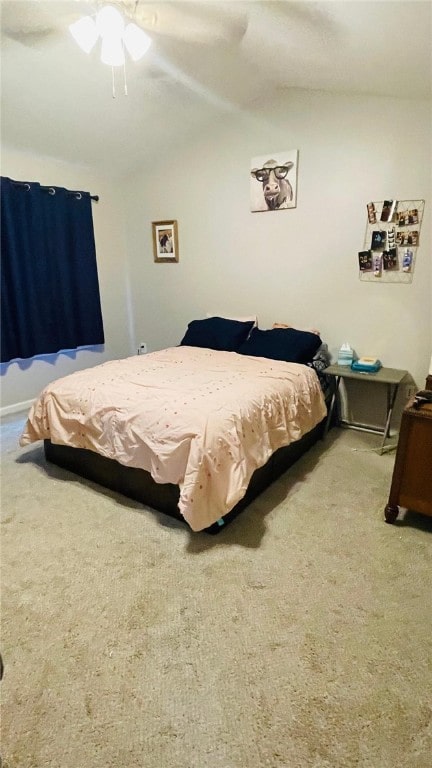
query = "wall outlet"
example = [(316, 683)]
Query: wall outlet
[(142, 349)]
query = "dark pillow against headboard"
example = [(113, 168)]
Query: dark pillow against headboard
[(217, 333), (287, 344)]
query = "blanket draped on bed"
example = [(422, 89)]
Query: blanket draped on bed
[(197, 418)]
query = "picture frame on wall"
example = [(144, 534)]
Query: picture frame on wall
[(165, 241), (273, 181)]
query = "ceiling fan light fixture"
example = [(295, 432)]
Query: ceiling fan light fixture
[(109, 22), (84, 32), (136, 41), (108, 25), (112, 52)]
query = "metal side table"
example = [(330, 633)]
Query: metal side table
[(391, 377)]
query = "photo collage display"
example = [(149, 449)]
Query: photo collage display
[(391, 241)]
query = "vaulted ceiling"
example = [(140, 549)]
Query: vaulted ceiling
[(207, 60)]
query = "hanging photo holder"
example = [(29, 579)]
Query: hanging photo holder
[(391, 241)]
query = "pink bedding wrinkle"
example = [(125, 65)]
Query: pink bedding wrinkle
[(194, 417)]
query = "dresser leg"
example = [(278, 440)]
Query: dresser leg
[(391, 513)]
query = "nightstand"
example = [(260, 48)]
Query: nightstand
[(389, 377)]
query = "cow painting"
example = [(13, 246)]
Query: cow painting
[(273, 182)]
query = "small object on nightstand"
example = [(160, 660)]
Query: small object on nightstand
[(422, 398), (366, 364), (345, 355)]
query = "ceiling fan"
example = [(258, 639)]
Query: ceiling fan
[(32, 22)]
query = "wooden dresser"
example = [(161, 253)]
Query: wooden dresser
[(412, 474)]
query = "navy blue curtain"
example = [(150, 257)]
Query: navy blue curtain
[(49, 283)]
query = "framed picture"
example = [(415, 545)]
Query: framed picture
[(273, 181), (165, 241)]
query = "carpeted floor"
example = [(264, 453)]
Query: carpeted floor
[(300, 637)]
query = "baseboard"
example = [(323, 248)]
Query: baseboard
[(16, 407)]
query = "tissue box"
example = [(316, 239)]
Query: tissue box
[(345, 355)]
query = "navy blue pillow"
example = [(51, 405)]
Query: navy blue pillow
[(217, 333), (287, 344)]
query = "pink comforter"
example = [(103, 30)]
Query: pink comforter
[(200, 419)]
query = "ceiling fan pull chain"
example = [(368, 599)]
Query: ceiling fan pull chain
[(124, 78), (113, 83)]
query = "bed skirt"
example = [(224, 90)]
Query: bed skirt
[(139, 485)]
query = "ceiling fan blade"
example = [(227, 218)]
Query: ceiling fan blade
[(32, 22), (24, 20), (194, 22)]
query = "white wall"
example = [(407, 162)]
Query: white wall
[(299, 266), (22, 381)]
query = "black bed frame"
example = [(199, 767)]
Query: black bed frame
[(139, 485)]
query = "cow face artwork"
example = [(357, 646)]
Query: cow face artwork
[(274, 182), (277, 190)]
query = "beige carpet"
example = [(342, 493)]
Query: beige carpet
[(299, 637)]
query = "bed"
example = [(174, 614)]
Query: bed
[(195, 431)]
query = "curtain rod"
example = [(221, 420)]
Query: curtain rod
[(51, 190)]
